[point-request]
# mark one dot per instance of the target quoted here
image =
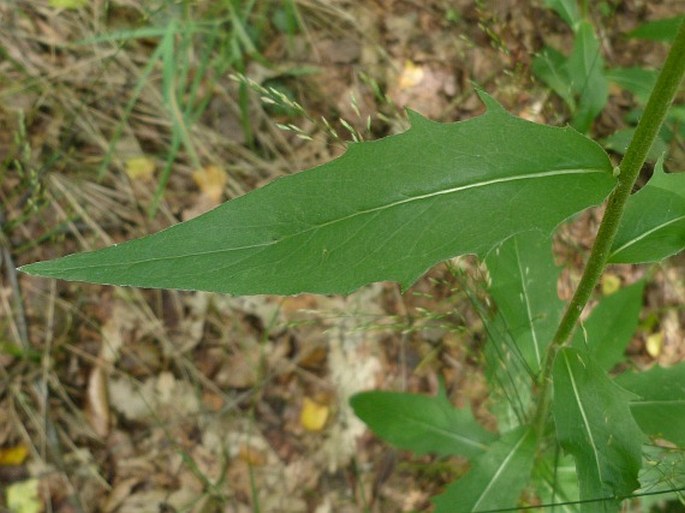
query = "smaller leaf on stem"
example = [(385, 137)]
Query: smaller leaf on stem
[(423, 424), (594, 424), (495, 479), (653, 225), (660, 410), (524, 288)]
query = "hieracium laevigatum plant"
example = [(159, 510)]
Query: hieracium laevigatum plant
[(495, 186)]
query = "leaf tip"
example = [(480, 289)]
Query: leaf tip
[(42, 268), (28, 269)]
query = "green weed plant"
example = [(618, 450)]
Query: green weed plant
[(582, 80), (496, 186)]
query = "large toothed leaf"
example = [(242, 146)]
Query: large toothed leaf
[(385, 210), (660, 409), (423, 424), (496, 478), (653, 225), (594, 424)]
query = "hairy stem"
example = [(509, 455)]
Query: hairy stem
[(647, 129)]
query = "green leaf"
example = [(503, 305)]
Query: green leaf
[(556, 481), (550, 67), (638, 81), (660, 411), (620, 139), (385, 210), (511, 379), (658, 30), (524, 288), (579, 79), (676, 113), (567, 9), (594, 424), (495, 479), (423, 424), (653, 224), (663, 471), (586, 70), (611, 325)]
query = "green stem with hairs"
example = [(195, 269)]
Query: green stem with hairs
[(647, 129)]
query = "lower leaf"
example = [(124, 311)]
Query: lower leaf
[(594, 424), (423, 424), (660, 410), (496, 478)]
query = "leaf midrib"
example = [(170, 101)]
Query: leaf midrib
[(586, 422), (500, 469), (642, 236), (529, 313), (655, 402), (449, 434), (495, 181)]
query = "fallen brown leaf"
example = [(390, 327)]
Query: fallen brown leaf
[(98, 412)]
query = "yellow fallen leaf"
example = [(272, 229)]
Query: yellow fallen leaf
[(610, 284), (67, 4), (211, 180), (313, 415), (12, 456), (655, 343), (23, 497), (411, 76), (140, 168)]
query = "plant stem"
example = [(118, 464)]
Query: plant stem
[(647, 129)]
